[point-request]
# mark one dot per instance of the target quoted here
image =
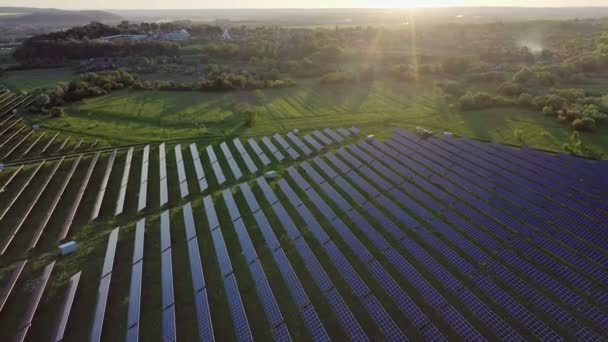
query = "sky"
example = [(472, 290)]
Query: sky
[(201, 4)]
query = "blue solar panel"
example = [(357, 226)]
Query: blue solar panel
[(389, 328), (292, 232), (267, 190), (322, 138), (344, 132), (169, 324), (221, 252), (314, 267), (239, 318), (312, 142), (269, 237), (347, 320), (233, 210), (135, 295), (203, 316), (196, 268), (312, 173), (271, 308), (167, 278), (246, 244), (329, 172), (314, 325), (291, 280), (295, 175), (333, 135)]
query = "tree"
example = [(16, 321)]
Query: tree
[(259, 96), (548, 111), (584, 124)]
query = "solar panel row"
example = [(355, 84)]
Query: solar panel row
[(76, 202), (215, 165), (66, 307), (143, 186), (32, 306), (322, 138), (290, 279), (269, 303), (298, 142), (181, 172), (273, 149), (333, 135), (312, 142), (136, 282), (162, 162), (258, 151), (104, 287), (103, 186), (203, 314), (25, 215), (198, 168), (285, 145), (22, 188), (235, 304), (245, 156), (10, 284), (347, 320), (167, 299), (236, 171)]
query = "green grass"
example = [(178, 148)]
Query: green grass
[(138, 116), (28, 80)]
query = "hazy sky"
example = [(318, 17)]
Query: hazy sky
[(184, 4)]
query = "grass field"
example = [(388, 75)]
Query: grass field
[(27, 80), (138, 116)]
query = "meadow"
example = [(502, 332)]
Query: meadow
[(140, 116), (29, 80)]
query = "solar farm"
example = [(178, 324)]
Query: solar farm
[(315, 235)]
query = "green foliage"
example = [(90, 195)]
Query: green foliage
[(362, 74), (481, 100), (57, 112), (452, 87), (525, 100), (510, 89), (586, 124)]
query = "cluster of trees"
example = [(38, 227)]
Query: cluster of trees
[(361, 74), (481, 100), (86, 86), (225, 82)]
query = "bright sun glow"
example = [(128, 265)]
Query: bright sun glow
[(403, 3)]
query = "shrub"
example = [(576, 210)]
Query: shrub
[(57, 112), (584, 124)]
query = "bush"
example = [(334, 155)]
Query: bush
[(525, 100), (584, 124), (452, 88), (548, 111), (510, 89), (57, 112)]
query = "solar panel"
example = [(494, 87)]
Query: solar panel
[(268, 193), (8, 288), (344, 132), (165, 231), (166, 279), (66, 307), (198, 168), (181, 171), (312, 142), (231, 204), (138, 249), (189, 221), (387, 325), (296, 140), (259, 152), (196, 268), (164, 192), (292, 153), (249, 197), (333, 135), (322, 138), (168, 326), (221, 252), (103, 186), (246, 244), (219, 174), (239, 318), (277, 154), (203, 315), (108, 262), (120, 202), (135, 295)]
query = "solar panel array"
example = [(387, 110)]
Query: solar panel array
[(273, 149), (403, 239), (258, 151), (37, 293)]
